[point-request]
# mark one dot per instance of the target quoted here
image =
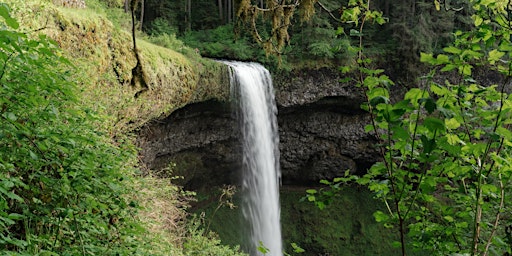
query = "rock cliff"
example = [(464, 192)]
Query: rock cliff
[(321, 129)]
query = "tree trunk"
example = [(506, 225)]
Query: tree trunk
[(221, 17), (189, 15), (228, 11), (142, 2), (126, 6)]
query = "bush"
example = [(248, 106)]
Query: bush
[(61, 180)]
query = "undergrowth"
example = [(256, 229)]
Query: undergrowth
[(69, 183)]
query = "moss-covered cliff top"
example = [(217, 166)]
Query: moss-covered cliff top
[(102, 52)]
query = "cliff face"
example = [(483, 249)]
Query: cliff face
[(321, 130)]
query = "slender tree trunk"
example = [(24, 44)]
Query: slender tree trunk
[(228, 12), (221, 17), (189, 15), (142, 2), (126, 6)]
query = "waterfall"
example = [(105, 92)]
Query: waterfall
[(251, 85)]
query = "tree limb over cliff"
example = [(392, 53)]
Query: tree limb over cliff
[(279, 13)]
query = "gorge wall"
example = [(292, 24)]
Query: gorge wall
[(321, 129)]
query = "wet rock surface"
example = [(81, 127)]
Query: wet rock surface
[(321, 130)]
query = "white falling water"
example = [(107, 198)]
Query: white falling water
[(252, 85)]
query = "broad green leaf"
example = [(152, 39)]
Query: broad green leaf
[(325, 182), (453, 139), (368, 128), (505, 46), (442, 59), (452, 49), (478, 20), (489, 188), (448, 218), (434, 124), (448, 67), (414, 95), (430, 105), (297, 249), (311, 191), (400, 133), (4, 12), (11, 116), (504, 132), (494, 56), (378, 100), (380, 216), (428, 144), (439, 90), (428, 58), (465, 69), (451, 123), (354, 32)]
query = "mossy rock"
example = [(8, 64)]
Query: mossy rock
[(345, 227)]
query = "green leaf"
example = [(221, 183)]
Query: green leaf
[(504, 132), (453, 139), (427, 58), (311, 191), (11, 116), (380, 216), (465, 69), (325, 182), (439, 90), (489, 188), (428, 144), (494, 56), (368, 128), (16, 216), (449, 218), (442, 59), (297, 249), (452, 49), (378, 100), (437, 5), (448, 67), (414, 95), (430, 105), (400, 133), (478, 20), (434, 124), (451, 123), (354, 32), (4, 12)]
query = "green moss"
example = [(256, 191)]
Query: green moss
[(346, 227), (103, 52)]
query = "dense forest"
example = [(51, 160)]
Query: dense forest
[(316, 40), (69, 173)]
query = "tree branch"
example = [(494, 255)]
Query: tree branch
[(329, 12)]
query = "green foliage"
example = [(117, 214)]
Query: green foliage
[(446, 148), (161, 26), (221, 43), (61, 180), (204, 243), (168, 41)]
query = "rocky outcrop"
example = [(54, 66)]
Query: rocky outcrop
[(321, 129)]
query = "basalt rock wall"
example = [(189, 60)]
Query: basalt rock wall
[(321, 130)]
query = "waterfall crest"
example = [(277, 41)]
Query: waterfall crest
[(251, 86)]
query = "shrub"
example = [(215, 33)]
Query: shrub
[(61, 180)]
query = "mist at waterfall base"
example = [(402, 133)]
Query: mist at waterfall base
[(251, 86)]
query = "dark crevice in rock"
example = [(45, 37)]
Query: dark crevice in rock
[(321, 130), (318, 140)]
